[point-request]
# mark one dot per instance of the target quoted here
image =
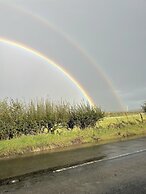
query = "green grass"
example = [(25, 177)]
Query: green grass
[(135, 118), (108, 129)]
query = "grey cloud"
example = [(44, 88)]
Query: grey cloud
[(112, 31)]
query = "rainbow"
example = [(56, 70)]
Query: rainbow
[(50, 62), (75, 44)]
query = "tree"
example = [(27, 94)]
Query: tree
[(144, 107)]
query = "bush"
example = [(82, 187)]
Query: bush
[(17, 118), (84, 116)]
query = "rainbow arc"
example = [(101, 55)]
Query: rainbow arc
[(50, 62)]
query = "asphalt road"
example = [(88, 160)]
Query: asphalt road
[(124, 172)]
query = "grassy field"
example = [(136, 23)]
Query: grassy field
[(125, 118), (108, 129)]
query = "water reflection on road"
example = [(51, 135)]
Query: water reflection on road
[(23, 165)]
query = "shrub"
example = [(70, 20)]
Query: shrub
[(17, 118), (84, 116)]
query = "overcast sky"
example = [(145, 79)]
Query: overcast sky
[(111, 32)]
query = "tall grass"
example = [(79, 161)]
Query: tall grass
[(17, 118)]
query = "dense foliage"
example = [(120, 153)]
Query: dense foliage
[(17, 118)]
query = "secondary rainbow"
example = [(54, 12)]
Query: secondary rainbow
[(78, 47), (50, 62)]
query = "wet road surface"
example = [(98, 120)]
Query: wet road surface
[(123, 170)]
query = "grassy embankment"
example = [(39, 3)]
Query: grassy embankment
[(108, 129)]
